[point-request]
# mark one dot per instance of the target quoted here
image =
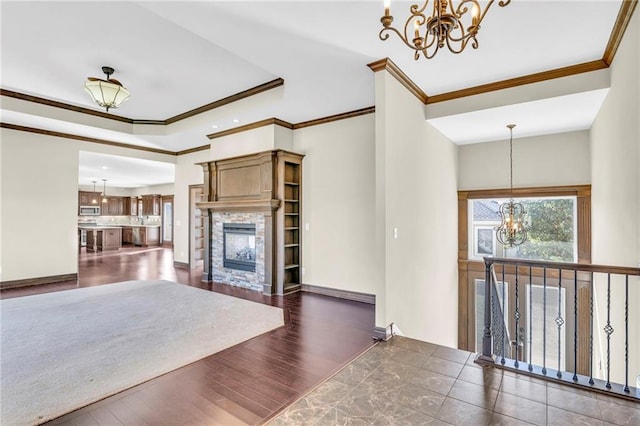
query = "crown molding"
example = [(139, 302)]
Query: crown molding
[(216, 104), (251, 126), (389, 66), (82, 138), (336, 117), (519, 81), (192, 150), (62, 105), (622, 22), (229, 99)]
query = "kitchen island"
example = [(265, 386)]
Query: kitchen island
[(141, 235), (102, 238)]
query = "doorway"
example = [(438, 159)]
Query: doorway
[(167, 220)]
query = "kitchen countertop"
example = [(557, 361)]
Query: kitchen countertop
[(94, 226)]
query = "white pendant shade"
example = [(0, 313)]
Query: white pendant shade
[(105, 93)]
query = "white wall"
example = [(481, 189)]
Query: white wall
[(615, 153), (549, 160), (187, 173), (248, 142), (40, 200), (420, 191), (338, 249)]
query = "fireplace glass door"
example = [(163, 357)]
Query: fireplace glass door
[(240, 246)]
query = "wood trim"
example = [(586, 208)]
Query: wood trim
[(340, 294), (62, 105), (468, 269), (216, 104), (229, 99), (82, 138), (519, 81), (388, 65), (38, 281), (177, 264), (336, 117), (622, 22), (192, 150), (539, 191), (240, 205), (251, 126)]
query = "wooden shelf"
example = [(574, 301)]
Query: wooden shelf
[(291, 201), (292, 183), (291, 245), (291, 214), (290, 266), (291, 228)]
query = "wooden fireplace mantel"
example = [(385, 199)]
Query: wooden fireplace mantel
[(270, 183)]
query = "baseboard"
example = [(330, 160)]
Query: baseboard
[(180, 264), (382, 333), (38, 281), (341, 294)]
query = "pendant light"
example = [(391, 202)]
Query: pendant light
[(93, 195), (512, 231), (104, 190), (109, 93)]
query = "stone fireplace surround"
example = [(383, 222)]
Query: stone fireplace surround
[(248, 189)]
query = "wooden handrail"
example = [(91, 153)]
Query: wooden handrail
[(583, 267)]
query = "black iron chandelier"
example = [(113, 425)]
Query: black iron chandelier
[(427, 34), (512, 231)]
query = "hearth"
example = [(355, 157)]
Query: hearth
[(239, 248)]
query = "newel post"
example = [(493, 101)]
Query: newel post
[(487, 345)]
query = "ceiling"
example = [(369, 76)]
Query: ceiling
[(122, 172), (178, 56)]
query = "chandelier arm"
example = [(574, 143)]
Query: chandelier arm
[(418, 11), (386, 36)]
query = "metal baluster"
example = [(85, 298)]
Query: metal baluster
[(502, 361), (626, 333), (487, 349), (591, 381), (544, 321), (609, 330), (559, 321), (575, 326), (517, 317), (530, 319)]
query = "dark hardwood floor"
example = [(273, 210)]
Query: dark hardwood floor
[(246, 384)]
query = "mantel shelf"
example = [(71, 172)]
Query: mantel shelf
[(240, 205)]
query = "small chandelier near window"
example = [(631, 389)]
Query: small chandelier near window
[(445, 26), (104, 190), (109, 93), (512, 230)]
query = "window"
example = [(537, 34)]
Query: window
[(551, 224)]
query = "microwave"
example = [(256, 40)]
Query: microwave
[(89, 210)]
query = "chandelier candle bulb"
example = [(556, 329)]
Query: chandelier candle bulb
[(387, 7), (445, 26)]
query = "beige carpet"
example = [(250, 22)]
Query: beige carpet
[(61, 351)]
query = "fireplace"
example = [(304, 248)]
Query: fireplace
[(239, 246)]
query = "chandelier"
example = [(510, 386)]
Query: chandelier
[(109, 93), (443, 27), (512, 230)]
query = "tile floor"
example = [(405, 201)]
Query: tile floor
[(408, 382)]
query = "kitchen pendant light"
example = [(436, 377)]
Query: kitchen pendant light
[(93, 195), (104, 190), (512, 231), (109, 93)]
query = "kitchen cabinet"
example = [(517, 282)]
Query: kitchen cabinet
[(86, 198), (103, 238), (141, 235), (127, 235), (150, 205), (130, 206), (113, 206)]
